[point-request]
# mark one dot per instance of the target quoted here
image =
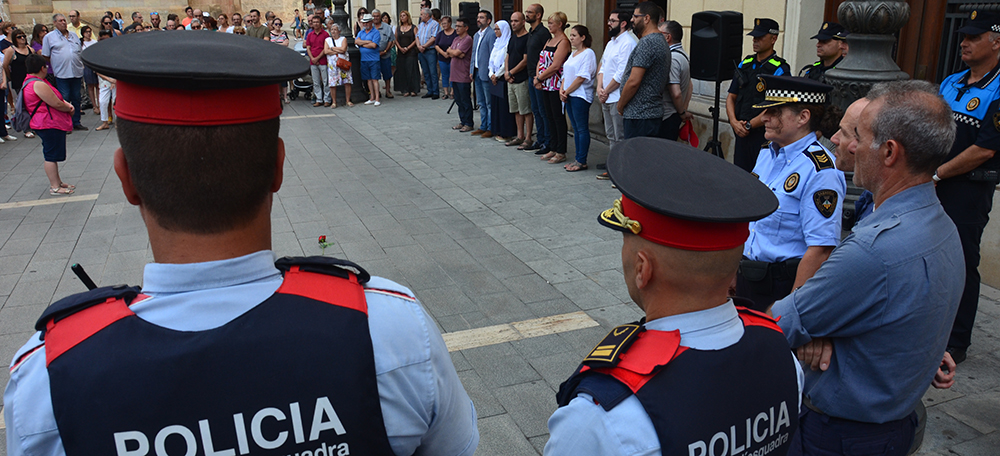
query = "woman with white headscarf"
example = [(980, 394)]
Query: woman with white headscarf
[(501, 120)]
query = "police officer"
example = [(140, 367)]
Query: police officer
[(786, 248), (831, 49), (744, 92), (665, 384), (966, 182), (225, 351)]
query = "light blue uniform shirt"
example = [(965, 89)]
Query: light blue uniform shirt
[(798, 222), (424, 406), (887, 297), (585, 428), (64, 54)]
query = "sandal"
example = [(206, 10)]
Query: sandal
[(29, 134), (575, 166), (333, 106), (60, 191), (458, 127), (548, 156), (559, 158), (65, 185), (103, 126), (514, 142), (350, 105)]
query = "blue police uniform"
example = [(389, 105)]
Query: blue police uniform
[(809, 189), (968, 198), (585, 427), (749, 92), (423, 405)]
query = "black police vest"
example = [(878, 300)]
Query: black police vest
[(738, 400), (294, 374), (751, 91)]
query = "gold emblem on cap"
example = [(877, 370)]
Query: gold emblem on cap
[(973, 16), (758, 20), (791, 182), (973, 104), (760, 86), (825, 25)]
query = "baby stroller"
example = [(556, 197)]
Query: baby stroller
[(301, 84)]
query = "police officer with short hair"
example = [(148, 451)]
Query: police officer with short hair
[(225, 351), (831, 48), (967, 180), (787, 247), (698, 365), (745, 92)]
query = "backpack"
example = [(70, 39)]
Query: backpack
[(21, 122)]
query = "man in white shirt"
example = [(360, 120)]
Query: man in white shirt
[(609, 74)]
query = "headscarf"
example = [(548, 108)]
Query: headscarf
[(500, 49)]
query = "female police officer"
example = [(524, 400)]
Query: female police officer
[(787, 247)]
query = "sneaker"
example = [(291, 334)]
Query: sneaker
[(80, 127), (427, 95), (603, 176), (1, 141), (9, 138), (377, 103), (370, 102)]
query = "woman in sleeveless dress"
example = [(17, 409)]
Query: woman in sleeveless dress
[(407, 73)]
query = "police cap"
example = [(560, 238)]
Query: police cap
[(981, 22), (831, 31), (182, 78), (779, 90), (763, 26), (681, 197)]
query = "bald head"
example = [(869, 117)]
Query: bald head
[(846, 138)]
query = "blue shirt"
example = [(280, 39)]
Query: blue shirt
[(368, 54), (887, 298), (424, 405), (864, 206), (803, 193), (426, 31), (585, 428), (64, 54)]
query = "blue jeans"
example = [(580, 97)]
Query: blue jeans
[(428, 62), (483, 97), (445, 68), (69, 88), (463, 98), (541, 122), (579, 114)]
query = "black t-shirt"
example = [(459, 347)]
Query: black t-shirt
[(536, 42), (516, 49)]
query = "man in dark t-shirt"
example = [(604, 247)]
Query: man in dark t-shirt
[(536, 42), (646, 75), (517, 81)]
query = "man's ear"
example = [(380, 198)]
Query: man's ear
[(893, 153), (121, 169), (643, 269), (279, 169)]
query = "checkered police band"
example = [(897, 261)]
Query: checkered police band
[(995, 28), (968, 120), (793, 96)]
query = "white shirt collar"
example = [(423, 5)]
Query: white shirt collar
[(710, 329)]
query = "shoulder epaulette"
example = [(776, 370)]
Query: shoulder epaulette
[(324, 265), (608, 350), (776, 61), (80, 301), (819, 158)]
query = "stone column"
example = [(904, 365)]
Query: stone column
[(872, 24), (340, 16)]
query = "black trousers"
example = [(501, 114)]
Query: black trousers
[(746, 150), (775, 285), (555, 120), (824, 435), (965, 319), (671, 127)]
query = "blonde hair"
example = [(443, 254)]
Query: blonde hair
[(409, 19), (561, 17)]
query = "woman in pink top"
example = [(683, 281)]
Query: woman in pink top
[(51, 119)]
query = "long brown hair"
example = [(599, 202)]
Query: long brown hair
[(409, 19)]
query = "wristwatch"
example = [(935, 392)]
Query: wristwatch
[(747, 125)]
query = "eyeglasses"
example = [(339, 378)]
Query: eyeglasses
[(613, 21), (639, 15), (278, 24), (149, 27), (106, 23), (239, 33)]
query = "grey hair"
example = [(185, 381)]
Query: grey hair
[(335, 26), (193, 20), (376, 11), (914, 115), (56, 16), (426, 11)]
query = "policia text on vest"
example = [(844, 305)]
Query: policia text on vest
[(303, 429), (765, 425)]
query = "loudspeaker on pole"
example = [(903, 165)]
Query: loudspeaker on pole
[(716, 44)]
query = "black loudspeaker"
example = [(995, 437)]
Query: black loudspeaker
[(716, 44), (469, 11)]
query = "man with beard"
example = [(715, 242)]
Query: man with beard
[(646, 75), (609, 73)]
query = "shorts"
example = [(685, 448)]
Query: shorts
[(53, 144), (369, 70), (519, 101), (386, 65), (89, 77)]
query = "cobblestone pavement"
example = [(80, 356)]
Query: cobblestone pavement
[(485, 235)]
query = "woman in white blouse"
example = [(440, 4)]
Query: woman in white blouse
[(577, 91)]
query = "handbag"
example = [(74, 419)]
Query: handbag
[(343, 64)]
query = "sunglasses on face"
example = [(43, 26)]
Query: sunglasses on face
[(239, 33)]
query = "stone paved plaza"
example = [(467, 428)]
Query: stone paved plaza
[(485, 235)]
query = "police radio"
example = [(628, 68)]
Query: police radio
[(82, 275)]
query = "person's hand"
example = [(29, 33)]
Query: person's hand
[(71, 108), (945, 376), (816, 354), (493, 79), (562, 95), (738, 128), (687, 116), (602, 95), (621, 107)]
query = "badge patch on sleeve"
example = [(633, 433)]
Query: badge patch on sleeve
[(996, 121), (826, 202), (973, 104), (791, 182), (820, 159), (615, 343)]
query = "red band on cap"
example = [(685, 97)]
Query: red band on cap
[(685, 234), (159, 106)]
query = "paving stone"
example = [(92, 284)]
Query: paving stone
[(942, 431), (982, 446), (19, 319), (27, 293), (481, 395), (551, 307), (500, 365), (977, 374), (11, 343), (615, 315), (531, 288), (539, 442), (555, 369), (502, 308), (499, 436), (14, 264), (48, 270), (529, 405), (980, 412), (444, 301)]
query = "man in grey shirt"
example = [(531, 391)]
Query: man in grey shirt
[(386, 39), (646, 74), (62, 50), (678, 90)]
